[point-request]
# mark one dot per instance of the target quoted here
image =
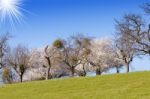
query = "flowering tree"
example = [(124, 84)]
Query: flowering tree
[(101, 55), (49, 58), (84, 44), (36, 64)]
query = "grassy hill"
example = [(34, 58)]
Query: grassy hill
[(121, 86)]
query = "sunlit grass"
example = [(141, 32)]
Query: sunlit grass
[(122, 86)]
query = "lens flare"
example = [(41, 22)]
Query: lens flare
[(11, 11)]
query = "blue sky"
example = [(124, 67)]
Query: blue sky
[(51, 19)]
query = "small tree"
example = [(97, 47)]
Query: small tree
[(127, 35), (83, 44), (116, 61), (71, 59), (51, 56), (19, 59), (37, 60), (73, 53), (101, 55)]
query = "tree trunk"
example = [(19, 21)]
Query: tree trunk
[(72, 71), (21, 78), (84, 71), (128, 67), (117, 69), (48, 75), (98, 72)]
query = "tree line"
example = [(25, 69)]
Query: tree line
[(79, 54)]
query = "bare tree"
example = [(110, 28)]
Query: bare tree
[(142, 36), (19, 60), (71, 59), (3, 48), (127, 35)]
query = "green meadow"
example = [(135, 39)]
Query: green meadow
[(116, 86)]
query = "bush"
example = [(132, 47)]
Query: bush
[(7, 76)]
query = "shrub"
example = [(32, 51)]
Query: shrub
[(7, 76)]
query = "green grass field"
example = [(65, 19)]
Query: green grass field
[(118, 86)]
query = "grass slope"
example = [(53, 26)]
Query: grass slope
[(122, 86)]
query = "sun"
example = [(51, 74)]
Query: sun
[(11, 11), (7, 4)]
